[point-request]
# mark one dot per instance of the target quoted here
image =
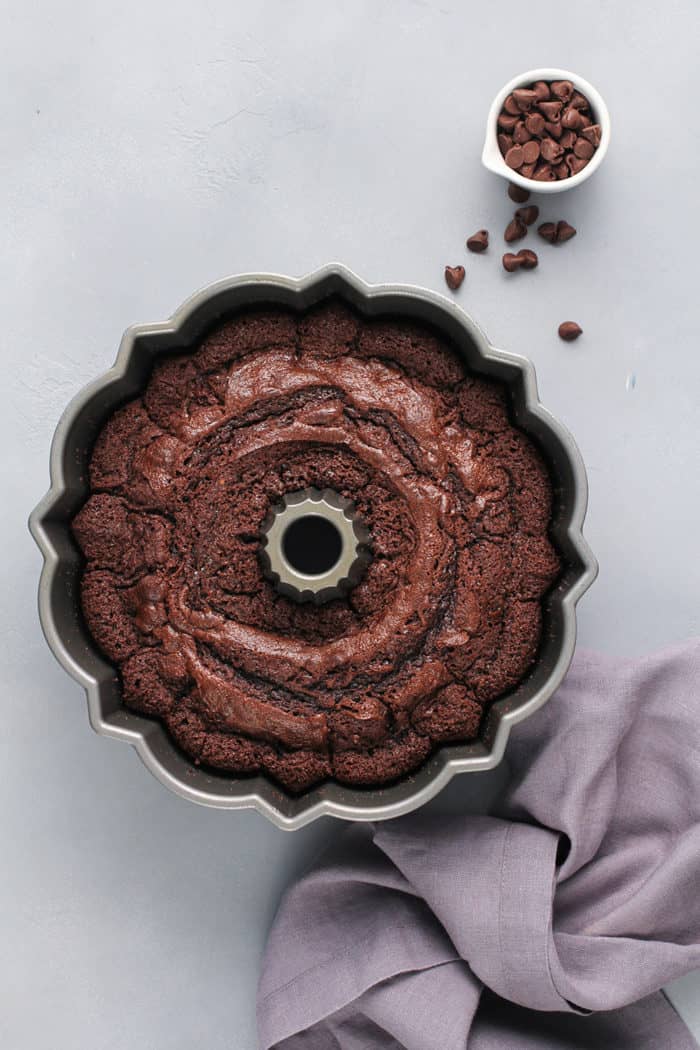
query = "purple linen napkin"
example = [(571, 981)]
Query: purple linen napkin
[(551, 923)]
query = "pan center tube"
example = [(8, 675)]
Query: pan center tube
[(313, 546)]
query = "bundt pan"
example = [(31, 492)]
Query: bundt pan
[(69, 639)]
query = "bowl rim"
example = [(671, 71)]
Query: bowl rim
[(147, 736), (492, 158)]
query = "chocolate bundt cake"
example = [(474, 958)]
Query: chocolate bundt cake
[(447, 614)]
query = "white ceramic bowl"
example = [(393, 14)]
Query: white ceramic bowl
[(492, 157)]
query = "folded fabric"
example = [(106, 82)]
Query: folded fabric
[(550, 923)]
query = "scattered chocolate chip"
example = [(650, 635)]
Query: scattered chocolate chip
[(479, 241), (507, 121), (528, 259), (511, 106), (551, 110), (524, 98), (528, 214), (578, 101), (544, 173), (583, 148), (515, 230), (525, 259), (541, 89), (556, 232), (562, 89), (565, 231), (592, 133), (454, 275), (531, 151), (520, 133), (551, 151), (569, 330), (517, 193), (534, 122), (514, 157), (511, 262), (554, 128), (548, 231), (504, 142)]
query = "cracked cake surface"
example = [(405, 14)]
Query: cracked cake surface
[(448, 614)]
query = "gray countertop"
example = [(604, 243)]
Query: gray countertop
[(149, 148)]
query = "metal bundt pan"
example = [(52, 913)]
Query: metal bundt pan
[(59, 610)]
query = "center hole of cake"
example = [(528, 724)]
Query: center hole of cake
[(312, 545)]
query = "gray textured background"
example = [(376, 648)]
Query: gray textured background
[(148, 148)]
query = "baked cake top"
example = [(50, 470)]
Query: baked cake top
[(447, 615)]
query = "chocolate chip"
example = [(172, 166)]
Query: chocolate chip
[(524, 258), (548, 231), (551, 151), (524, 98), (511, 262), (528, 214), (531, 151), (527, 170), (565, 231), (568, 139), (514, 157), (553, 128), (544, 173), (561, 170), (583, 148), (550, 110), (575, 164), (517, 193), (572, 118), (578, 101), (569, 330), (556, 232), (454, 275), (592, 133), (511, 106), (541, 89), (585, 120), (504, 142), (562, 89), (520, 133), (534, 122), (515, 230), (528, 259), (479, 241), (507, 121)]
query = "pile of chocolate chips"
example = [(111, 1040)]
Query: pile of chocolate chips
[(547, 131)]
